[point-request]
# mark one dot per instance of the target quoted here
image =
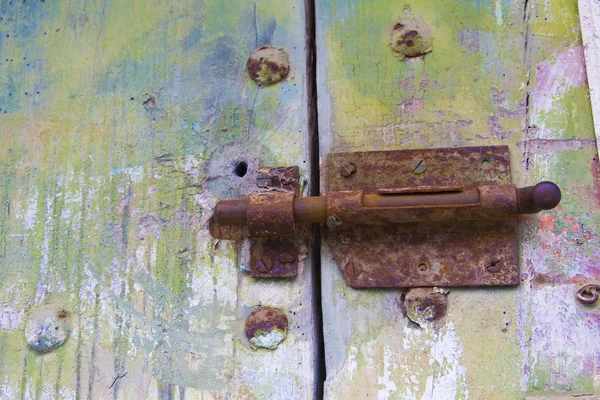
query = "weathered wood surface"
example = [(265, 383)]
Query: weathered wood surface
[(120, 123), (589, 15), (501, 72)]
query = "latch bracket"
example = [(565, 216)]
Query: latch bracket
[(451, 252)]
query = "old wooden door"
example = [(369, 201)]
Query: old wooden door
[(499, 72), (121, 124)]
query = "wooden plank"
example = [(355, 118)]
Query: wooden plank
[(500, 72), (589, 15), (121, 122)]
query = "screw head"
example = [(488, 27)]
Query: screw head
[(418, 166), (347, 170), (286, 257), (353, 269), (494, 266), (264, 264)]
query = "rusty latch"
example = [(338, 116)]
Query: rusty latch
[(278, 214), (408, 218)]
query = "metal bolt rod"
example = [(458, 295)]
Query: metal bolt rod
[(530, 200)]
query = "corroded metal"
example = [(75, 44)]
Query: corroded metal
[(411, 37), (425, 305), (275, 237), (426, 252), (268, 65), (271, 214), (276, 213), (274, 257), (588, 294), (403, 218), (456, 253), (266, 327)]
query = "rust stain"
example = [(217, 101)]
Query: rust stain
[(547, 222), (596, 174)]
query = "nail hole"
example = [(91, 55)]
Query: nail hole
[(241, 168), (422, 267)]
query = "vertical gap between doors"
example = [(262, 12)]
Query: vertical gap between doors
[(313, 134)]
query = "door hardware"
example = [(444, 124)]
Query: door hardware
[(436, 217)]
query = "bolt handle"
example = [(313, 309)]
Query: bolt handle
[(543, 196)]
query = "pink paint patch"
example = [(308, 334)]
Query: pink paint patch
[(555, 76), (408, 85), (547, 222), (498, 95), (412, 106)]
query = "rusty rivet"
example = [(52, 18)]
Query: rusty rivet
[(47, 328), (286, 257), (422, 267), (268, 65), (266, 327), (347, 170), (353, 269), (418, 166), (588, 294), (264, 264), (494, 266), (411, 37)]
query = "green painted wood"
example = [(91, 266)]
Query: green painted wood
[(120, 124), (500, 72)]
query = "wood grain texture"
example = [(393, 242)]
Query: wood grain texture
[(120, 124), (589, 15), (500, 72)]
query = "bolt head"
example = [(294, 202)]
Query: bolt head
[(347, 170), (264, 264), (410, 38), (266, 328), (353, 269), (47, 328), (418, 166), (494, 266), (286, 257), (268, 65)]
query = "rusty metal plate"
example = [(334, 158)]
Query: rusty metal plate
[(276, 257), (454, 253), (379, 170)]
